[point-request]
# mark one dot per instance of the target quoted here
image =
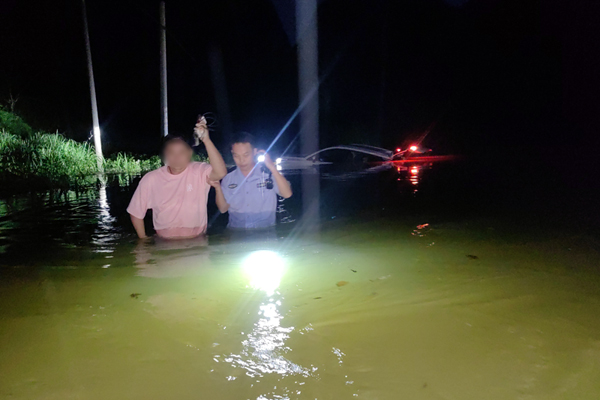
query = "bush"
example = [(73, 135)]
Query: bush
[(124, 163), (199, 157), (151, 163), (14, 124)]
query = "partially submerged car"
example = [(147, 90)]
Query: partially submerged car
[(345, 157), (351, 157)]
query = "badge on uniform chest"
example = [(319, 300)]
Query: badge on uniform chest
[(232, 186)]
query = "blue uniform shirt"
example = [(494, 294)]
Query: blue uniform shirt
[(251, 204)]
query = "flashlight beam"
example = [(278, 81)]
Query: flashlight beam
[(308, 97)]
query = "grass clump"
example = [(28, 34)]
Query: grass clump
[(123, 163), (200, 157), (45, 161)]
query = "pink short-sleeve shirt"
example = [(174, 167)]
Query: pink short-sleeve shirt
[(178, 202)]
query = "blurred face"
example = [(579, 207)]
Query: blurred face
[(243, 155), (178, 154)]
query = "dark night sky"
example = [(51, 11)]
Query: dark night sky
[(485, 75)]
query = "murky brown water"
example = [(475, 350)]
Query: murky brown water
[(369, 308)]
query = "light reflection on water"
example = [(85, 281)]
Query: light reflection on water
[(105, 234), (264, 348), (410, 174)]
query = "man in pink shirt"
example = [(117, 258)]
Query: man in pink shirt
[(178, 192)]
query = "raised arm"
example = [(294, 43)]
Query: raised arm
[(219, 170), (285, 189)]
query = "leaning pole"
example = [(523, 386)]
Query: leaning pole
[(164, 115), (95, 121), (308, 83)]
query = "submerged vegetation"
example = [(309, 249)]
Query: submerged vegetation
[(52, 161)]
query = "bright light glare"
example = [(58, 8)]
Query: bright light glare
[(261, 158), (414, 170), (278, 161), (398, 150), (264, 268), (413, 148)]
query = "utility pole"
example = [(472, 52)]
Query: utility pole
[(308, 83), (163, 71), (95, 121)]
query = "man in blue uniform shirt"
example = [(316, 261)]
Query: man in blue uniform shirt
[(249, 192)]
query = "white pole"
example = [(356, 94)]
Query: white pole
[(95, 121), (163, 71)]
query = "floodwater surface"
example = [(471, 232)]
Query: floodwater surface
[(379, 304)]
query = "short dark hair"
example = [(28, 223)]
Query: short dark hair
[(244, 137)]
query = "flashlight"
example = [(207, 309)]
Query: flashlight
[(260, 158), (264, 269)]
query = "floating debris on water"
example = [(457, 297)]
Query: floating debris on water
[(420, 232), (342, 283), (135, 295), (472, 257), (353, 270)]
